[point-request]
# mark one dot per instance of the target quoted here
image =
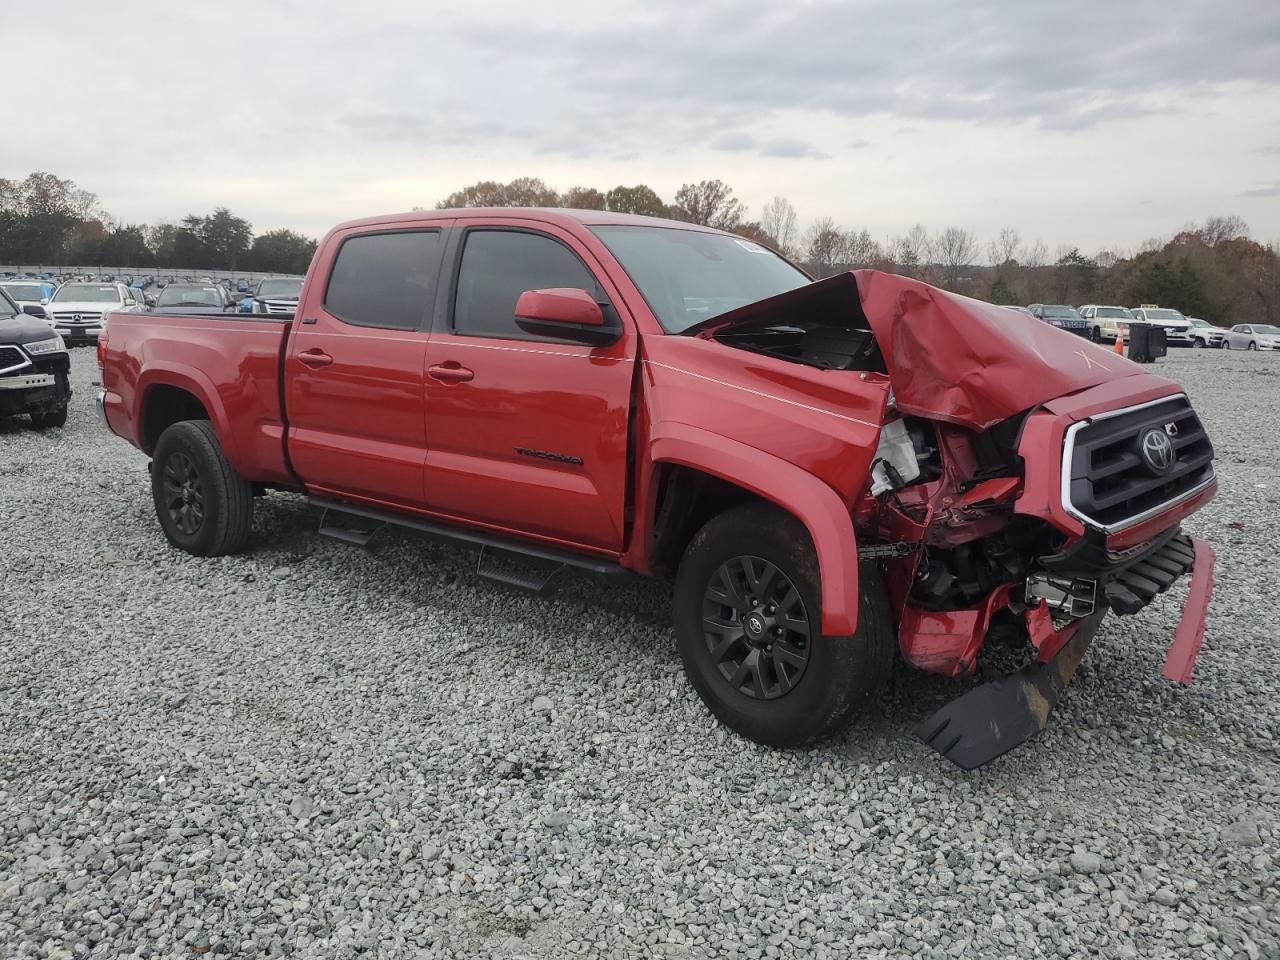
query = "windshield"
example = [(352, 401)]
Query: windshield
[(1118, 313), (1269, 330), (25, 292), (280, 289), (1061, 313), (1164, 315), (687, 276), (181, 295), (87, 293)]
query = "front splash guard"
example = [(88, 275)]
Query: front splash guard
[(992, 719)]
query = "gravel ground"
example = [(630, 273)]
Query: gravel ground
[(318, 751)]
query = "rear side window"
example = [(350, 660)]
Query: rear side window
[(385, 279), (499, 265)]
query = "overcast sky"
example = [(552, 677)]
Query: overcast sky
[(1091, 123)]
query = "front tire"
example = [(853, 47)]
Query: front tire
[(203, 505), (1252, 345), (1197, 342), (748, 618)]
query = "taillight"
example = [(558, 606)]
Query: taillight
[(102, 347)]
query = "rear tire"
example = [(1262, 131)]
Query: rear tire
[(50, 418), (203, 505), (1097, 335), (793, 685)]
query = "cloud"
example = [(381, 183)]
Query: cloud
[(786, 147), (1270, 191)]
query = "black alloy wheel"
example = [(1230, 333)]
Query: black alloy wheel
[(203, 505), (756, 627), (184, 493)]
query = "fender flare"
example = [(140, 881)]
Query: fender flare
[(199, 386), (810, 500)]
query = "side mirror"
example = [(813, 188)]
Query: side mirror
[(565, 313), (34, 310)]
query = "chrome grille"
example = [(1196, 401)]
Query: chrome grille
[(77, 316), (1109, 482)]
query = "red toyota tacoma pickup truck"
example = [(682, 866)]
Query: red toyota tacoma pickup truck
[(834, 473)]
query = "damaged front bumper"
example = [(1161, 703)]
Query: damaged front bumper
[(993, 718)]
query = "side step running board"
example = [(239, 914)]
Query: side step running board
[(354, 536), (536, 580), (492, 546)]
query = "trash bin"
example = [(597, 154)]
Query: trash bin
[(1146, 342)]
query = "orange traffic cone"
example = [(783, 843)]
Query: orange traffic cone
[(1119, 347)]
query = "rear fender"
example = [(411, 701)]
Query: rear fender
[(801, 494), (199, 386)]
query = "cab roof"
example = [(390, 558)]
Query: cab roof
[(558, 216)]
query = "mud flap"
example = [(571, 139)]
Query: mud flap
[(992, 719)]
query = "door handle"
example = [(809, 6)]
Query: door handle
[(450, 372), (315, 357)]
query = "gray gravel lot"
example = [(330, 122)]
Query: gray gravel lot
[(318, 751)]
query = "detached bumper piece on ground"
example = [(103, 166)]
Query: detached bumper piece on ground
[(992, 719)]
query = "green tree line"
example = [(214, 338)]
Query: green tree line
[(45, 219)]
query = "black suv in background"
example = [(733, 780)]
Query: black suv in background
[(1061, 316), (34, 368)]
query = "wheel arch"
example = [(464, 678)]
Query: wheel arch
[(173, 394), (695, 475)]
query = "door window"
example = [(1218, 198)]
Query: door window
[(499, 265), (385, 279)]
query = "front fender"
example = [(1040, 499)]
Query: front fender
[(200, 386), (801, 494)]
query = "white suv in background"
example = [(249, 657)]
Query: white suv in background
[(1177, 328), (1107, 322), (1205, 334), (77, 309)]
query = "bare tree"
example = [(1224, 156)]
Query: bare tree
[(824, 247), (582, 198), (910, 252), (860, 250), (1005, 247), (778, 220), (955, 249), (1037, 255), (710, 203)]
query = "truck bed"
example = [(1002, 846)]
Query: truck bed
[(232, 362)]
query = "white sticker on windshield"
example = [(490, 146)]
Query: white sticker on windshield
[(750, 247)]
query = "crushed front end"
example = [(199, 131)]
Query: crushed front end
[(1025, 535)]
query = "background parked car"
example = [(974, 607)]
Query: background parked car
[(32, 296), (1106, 322), (78, 308), (1062, 316), (194, 298), (1252, 336), (1177, 328), (274, 295), (1205, 334)]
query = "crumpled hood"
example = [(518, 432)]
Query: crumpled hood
[(949, 357)]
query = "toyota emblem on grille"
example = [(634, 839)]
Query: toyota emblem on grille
[(1157, 450)]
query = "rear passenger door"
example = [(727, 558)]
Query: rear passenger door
[(527, 433), (354, 364)]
